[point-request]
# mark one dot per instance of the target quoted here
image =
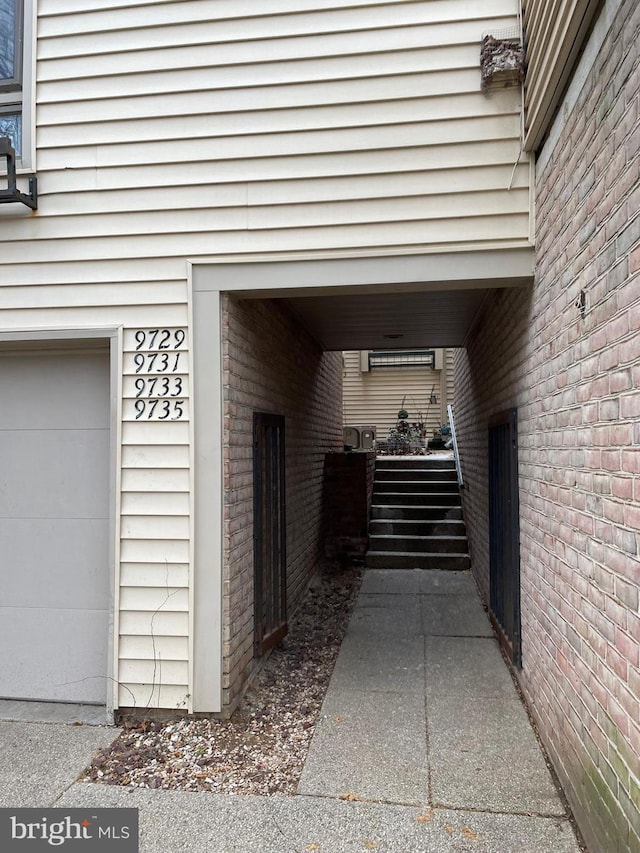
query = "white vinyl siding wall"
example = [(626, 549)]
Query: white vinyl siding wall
[(155, 533), (375, 396), (174, 130), (333, 126)]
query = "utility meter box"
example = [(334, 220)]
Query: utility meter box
[(360, 437)]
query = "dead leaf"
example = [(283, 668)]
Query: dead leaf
[(449, 829), (370, 845), (424, 818), (311, 847), (469, 834), (352, 798), (338, 719)]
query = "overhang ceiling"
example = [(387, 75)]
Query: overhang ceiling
[(389, 320), (377, 302)]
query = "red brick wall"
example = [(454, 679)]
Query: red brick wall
[(272, 365), (576, 382)]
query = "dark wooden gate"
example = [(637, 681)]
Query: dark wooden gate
[(269, 538), (504, 531)]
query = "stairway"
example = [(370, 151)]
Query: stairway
[(416, 515)]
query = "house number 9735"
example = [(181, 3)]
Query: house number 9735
[(161, 410)]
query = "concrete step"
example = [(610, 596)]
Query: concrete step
[(388, 512), (391, 462), (417, 527), (389, 560), (424, 499), (416, 474), (419, 544), (415, 486)]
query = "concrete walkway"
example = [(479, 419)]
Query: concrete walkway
[(423, 747)]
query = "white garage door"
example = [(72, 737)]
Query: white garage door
[(54, 526)]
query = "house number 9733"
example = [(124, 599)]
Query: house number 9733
[(159, 386)]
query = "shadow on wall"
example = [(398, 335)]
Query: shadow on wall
[(348, 484)]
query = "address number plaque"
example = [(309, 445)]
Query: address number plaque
[(156, 374)]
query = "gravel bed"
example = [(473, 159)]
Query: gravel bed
[(262, 748)]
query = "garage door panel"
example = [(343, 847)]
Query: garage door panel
[(54, 563), (54, 391), (54, 525), (74, 673), (52, 473)]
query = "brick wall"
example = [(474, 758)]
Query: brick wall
[(272, 365), (576, 382), (348, 491)]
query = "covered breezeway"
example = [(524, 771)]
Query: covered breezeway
[(414, 300)]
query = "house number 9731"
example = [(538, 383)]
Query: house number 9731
[(157, 362)]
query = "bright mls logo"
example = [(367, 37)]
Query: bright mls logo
[(28, 830)]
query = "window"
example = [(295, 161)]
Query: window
[(15, 75), (402, 358)]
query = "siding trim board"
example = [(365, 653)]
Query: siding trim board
[(554, 35), (208, 491), (330, 272), (578, 80)]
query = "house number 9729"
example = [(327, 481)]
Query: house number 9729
[(159, 339)]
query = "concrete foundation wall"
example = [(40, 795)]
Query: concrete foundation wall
[(574, 375), (272, 365)]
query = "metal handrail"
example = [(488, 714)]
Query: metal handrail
[(456, 455)]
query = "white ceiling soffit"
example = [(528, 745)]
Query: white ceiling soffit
[(389, 320)]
